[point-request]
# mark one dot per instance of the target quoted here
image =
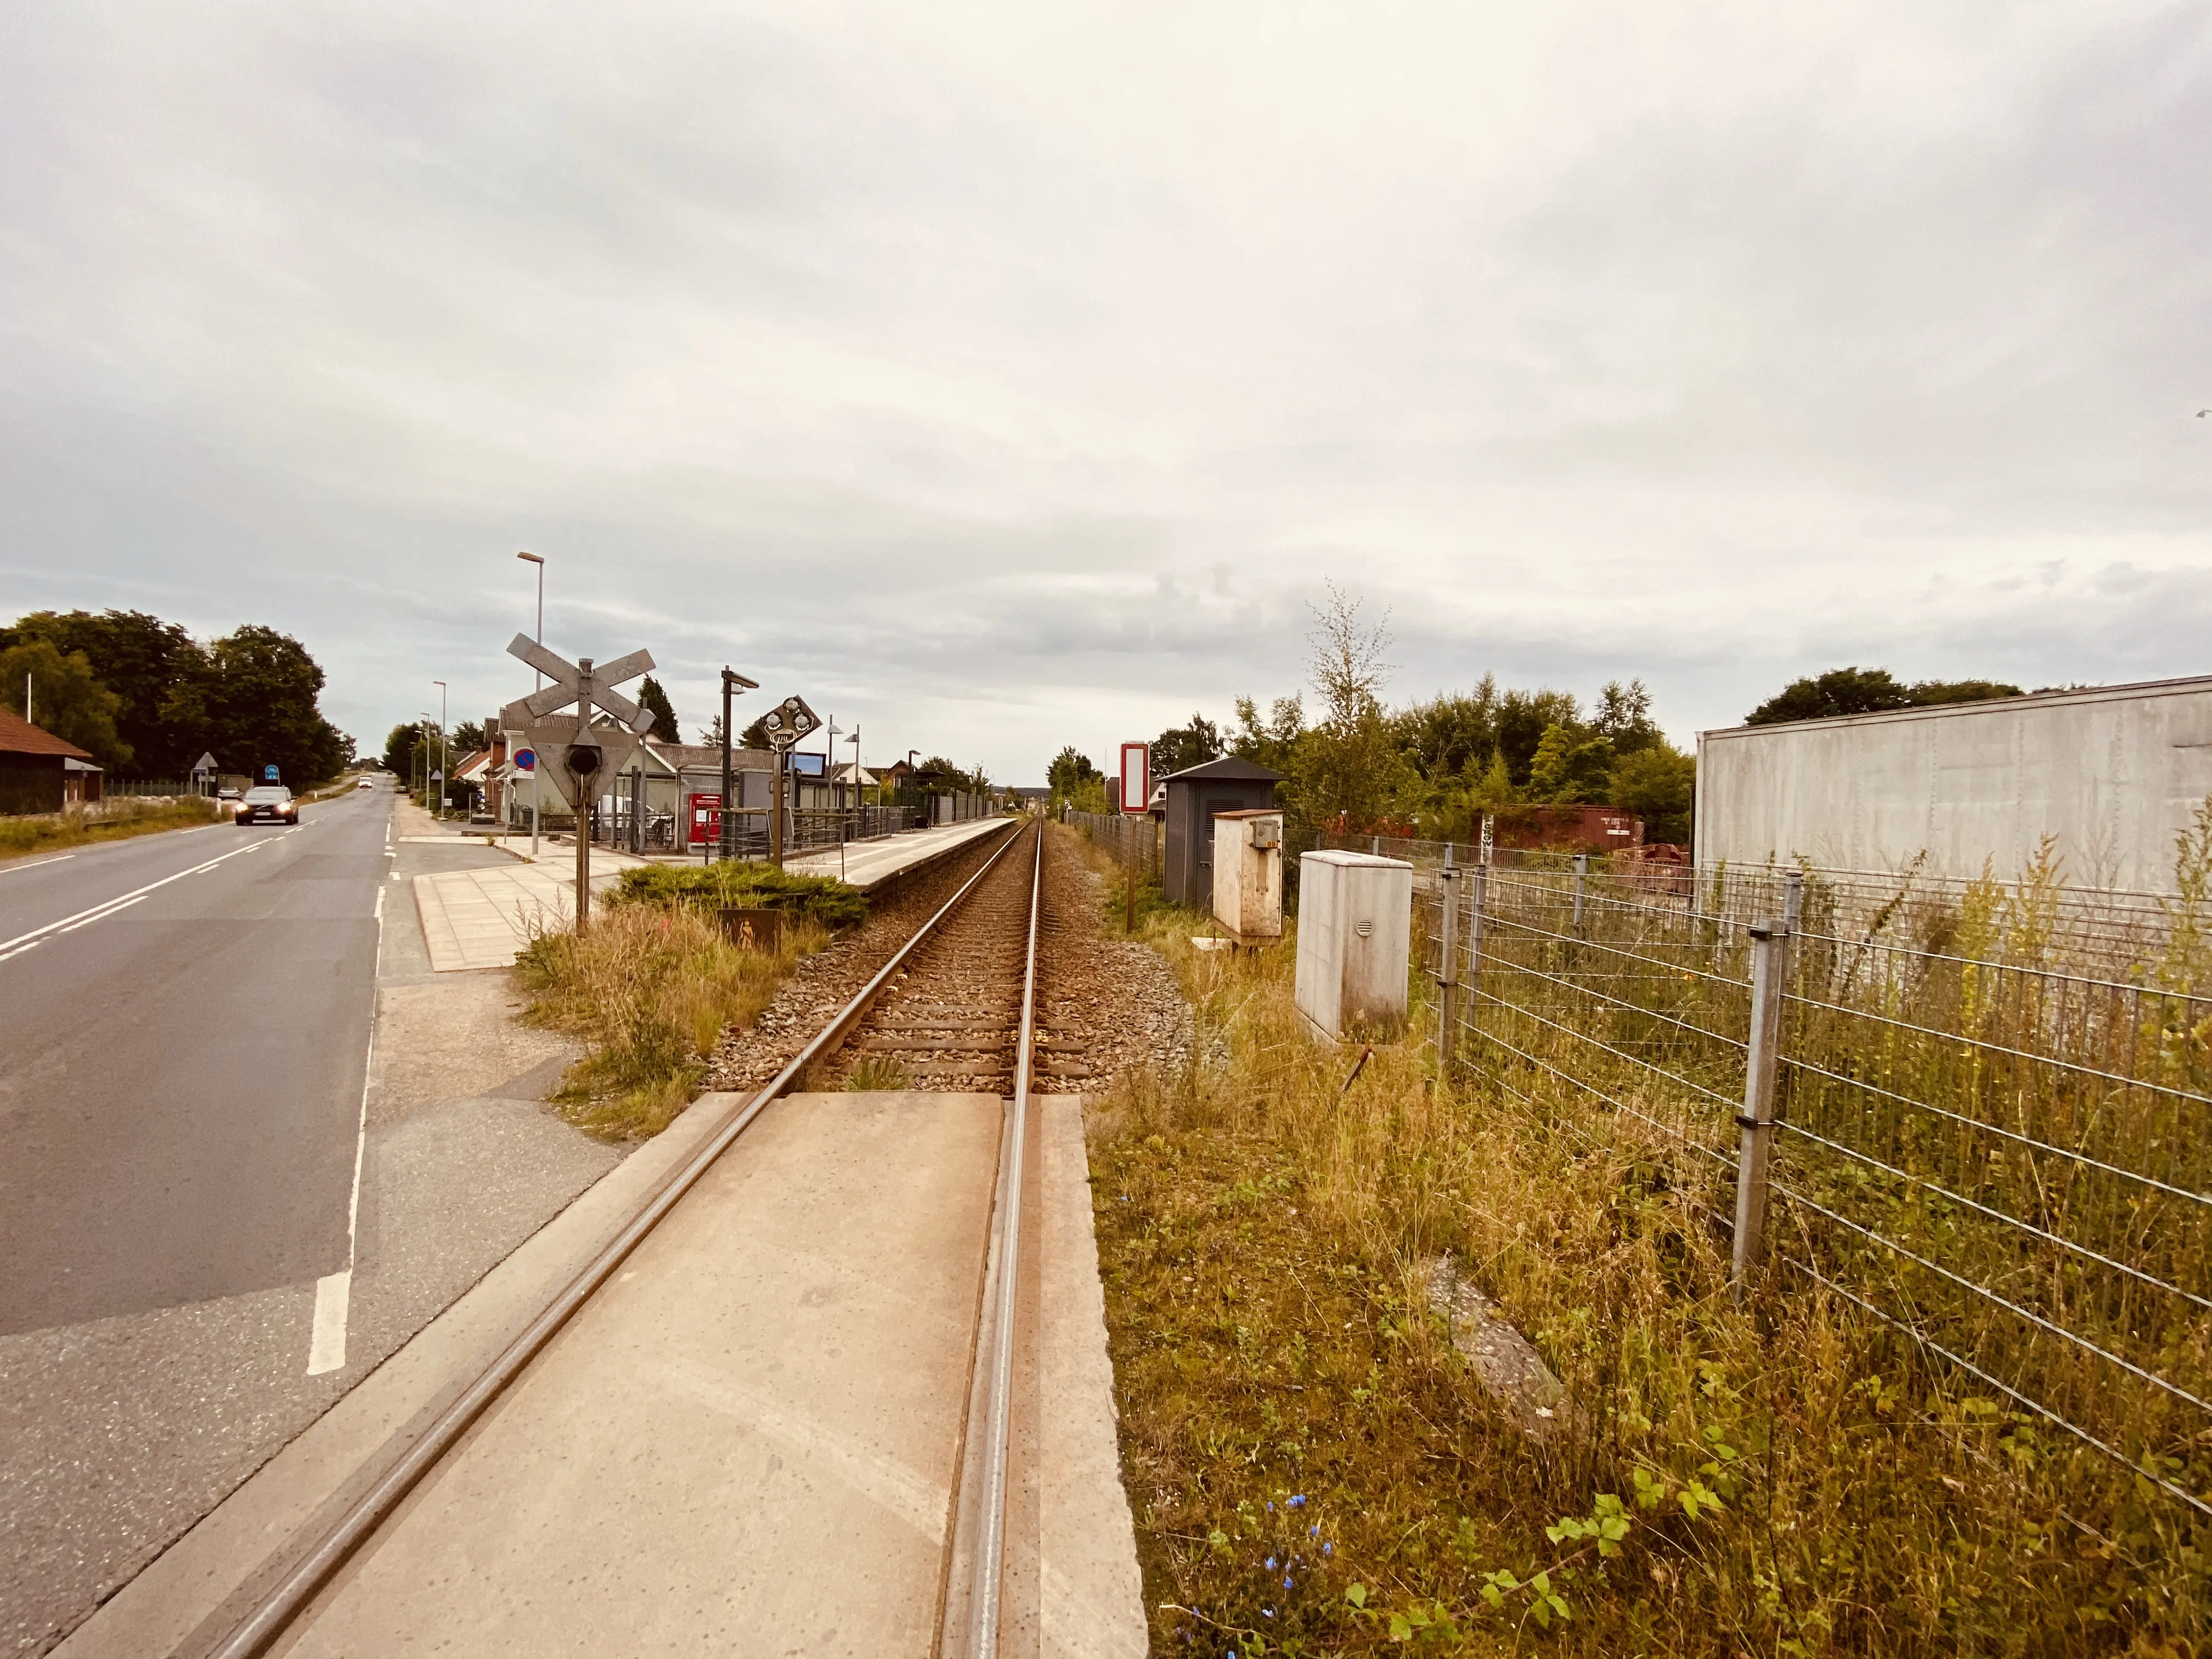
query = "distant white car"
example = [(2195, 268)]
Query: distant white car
[(365, 782)]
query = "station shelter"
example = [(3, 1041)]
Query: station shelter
[(1193, 796)]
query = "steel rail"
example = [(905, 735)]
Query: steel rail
[(269, 1617), (990, 1543)]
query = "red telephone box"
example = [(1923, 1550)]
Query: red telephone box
[(706, 817)]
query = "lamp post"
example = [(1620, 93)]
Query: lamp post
[(422, 743), (726, 835), (857, 797), (444, 751), (536, 680)]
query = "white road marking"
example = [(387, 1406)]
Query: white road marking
[(333, 1295), (22, 942), (62, 857), (326, 1348)]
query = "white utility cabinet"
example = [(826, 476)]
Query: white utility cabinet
[(1355, 928), (1247, 874)]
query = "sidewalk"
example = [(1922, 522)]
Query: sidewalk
[(482, 918)]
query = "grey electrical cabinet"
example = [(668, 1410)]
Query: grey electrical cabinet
[(1195, 795)]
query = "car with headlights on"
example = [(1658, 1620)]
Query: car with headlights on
[(269, 803)]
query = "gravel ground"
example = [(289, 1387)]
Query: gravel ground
[(1104, 1004)]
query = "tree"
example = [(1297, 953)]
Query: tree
[(400, 747), (143, 660), (1349, 769), (1524, 717), (939, 774), (1930, 691), (1659, 784), (1181, 746), (1623, 717), (66, 699), (253, 705), (1569, 766), (468, 737), (1837, 692), (1073, 779), (1271, 742), (1450, 736), (753, 737), (652, 698)]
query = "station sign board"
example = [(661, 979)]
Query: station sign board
[(1136, 777)]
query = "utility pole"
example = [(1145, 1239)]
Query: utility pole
[(583, 764), (537, 682)]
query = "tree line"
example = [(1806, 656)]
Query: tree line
[(146, 699), (1432, 769)]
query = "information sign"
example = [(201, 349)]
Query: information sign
[(1136, 777)]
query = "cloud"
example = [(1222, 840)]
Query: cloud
[(1014, 376)]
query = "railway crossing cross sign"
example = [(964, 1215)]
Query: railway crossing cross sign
[(578, 746)]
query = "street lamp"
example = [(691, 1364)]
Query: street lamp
[(445, 754), (536, 680), (422, 743)]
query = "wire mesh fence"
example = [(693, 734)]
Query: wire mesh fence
[(1130, 839), (1982, 1111)]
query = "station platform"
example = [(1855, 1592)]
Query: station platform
[(871, 864), (482, 918)]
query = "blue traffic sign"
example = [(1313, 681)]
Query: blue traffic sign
[(525, 760), (269, 772)]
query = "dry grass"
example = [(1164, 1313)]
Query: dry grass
[(1789, 1478), (111, 820), (650, 989)]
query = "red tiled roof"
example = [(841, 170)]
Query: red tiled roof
[(19, 737)]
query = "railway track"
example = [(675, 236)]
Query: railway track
[(954, 1010)]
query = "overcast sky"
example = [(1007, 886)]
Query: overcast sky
[(1009, 377)]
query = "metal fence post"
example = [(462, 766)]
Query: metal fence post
[(1478, 889), (1581, 875), (1448, 977), (1770, 969)]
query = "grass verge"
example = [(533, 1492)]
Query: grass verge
[(1315, 1469), (119, 822), (650, 989)]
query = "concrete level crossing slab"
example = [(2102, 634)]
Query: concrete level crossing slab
[(746, 1443)]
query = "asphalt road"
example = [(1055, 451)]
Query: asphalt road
[(185, 1020), (188, 1275)]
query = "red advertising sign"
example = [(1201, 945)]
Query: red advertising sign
[(706, 815), (1136, 777)]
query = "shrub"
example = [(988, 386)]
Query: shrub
[(713, 887)]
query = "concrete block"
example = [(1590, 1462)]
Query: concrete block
[(1355, 929), (1248, 873)]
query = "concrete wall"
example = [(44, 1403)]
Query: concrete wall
[(2115, 774)]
